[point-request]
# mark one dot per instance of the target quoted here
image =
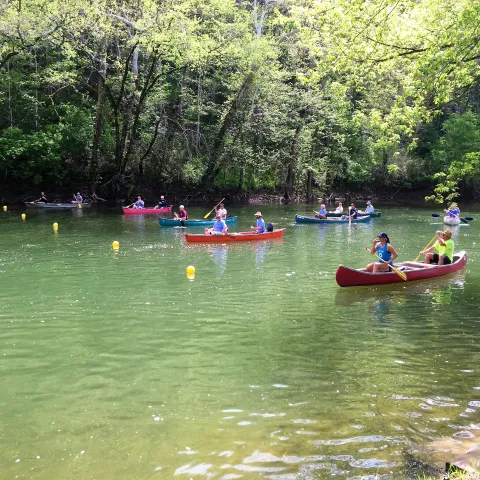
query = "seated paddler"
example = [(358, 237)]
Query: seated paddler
[(386, 254)]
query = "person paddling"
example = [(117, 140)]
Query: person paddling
[(352, 211), (370, 208), (453, 211), (77, 198), (182, 213), (219, 227), (386, 254), (441, 252), (222, 211), (260, 226), (139, 203), (162, 203), (42, 199), (339, 209), (322, 213)]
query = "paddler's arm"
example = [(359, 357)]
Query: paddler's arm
[(374, 247), (393, 252)]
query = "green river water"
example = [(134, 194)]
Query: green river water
[(116, 366)]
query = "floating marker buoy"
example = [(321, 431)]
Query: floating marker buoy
[(115, 245), (55, 227), (23, 216), (190, 270), (190, 276), (4, 208)]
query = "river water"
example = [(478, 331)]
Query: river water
[(116, 365)]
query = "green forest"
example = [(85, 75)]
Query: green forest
[(297, 97)]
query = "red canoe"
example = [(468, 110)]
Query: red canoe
[(234, 237), (146, 211), (350, 277)]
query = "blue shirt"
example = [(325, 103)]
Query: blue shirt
[(218, 226), (79, 198), (261, 224), (383, 253), (369, 209), (322, 212), (139, 203), (454, 212)]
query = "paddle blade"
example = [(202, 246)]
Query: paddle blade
[(401, 274), (468, 219), (436, 215), (207, 215)]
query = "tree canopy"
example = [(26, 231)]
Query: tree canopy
[(298, 96)]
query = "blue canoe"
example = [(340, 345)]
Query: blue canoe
[(302, 219), (171, 222)]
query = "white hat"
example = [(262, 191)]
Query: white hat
[(258, 214), (369, 202), (181, 206)]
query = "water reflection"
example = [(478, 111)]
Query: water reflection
[(261, 248), (135, 221), (219, 255)]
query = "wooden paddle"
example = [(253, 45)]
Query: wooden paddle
[(426, 246), (208, 214), (401, 274)]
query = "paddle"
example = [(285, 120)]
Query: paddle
[(208, 214), (349, 216), (426, 246), (462, 219), (402, 275)]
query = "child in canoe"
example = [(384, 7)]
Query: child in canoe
[(386, 254)]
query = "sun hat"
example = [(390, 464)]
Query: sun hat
[(369, 202), (181, 206), (448, 233), (258, 214), (352, 205), (382, 235)]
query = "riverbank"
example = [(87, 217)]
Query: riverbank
[(415, 197)]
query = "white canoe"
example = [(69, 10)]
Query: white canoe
[(451, 220)]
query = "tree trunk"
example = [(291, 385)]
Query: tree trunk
[(213, 166), (292, 166), (98, 126), (309, 186)]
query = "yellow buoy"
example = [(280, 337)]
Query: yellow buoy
[(55, 227), (4, 208), (190, 270), (23, 216), (190, 276), (115, 245)]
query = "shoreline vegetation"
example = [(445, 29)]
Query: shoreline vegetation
[(240, 96), (253, 198)]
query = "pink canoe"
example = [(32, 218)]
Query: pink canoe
[(234, 237), (147, 211), (351, 277)]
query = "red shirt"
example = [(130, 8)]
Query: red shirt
[(183, 214)]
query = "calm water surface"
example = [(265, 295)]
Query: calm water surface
[(117, 366)]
